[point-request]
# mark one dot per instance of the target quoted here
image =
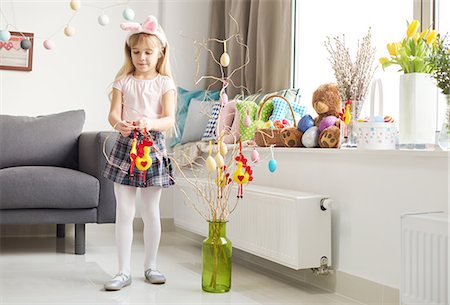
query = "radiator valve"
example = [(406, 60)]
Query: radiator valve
[(325, 203), (324, 269)]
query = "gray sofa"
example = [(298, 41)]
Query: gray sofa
[(50, 173)]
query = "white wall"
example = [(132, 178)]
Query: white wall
[(78, 72)]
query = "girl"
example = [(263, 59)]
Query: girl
[(142, 107)]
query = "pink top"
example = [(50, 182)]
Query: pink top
[(142, 98)]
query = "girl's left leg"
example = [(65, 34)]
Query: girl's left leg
[(150, 198)]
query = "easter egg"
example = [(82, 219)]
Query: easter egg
[(255, 156), (378, 119), (128, 14), (25, 44), (247, 121), (49, 44), (388, 119), (219, 160), (310, 138), (69, 31), (327, 122), (225, 59), (103, 20), (305, 123), (223, 149), (75, 4), (272, 165), (4, 35), (224, 99), (210, 164)]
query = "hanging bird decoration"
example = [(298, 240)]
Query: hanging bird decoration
[(140, 156), (243, 173)]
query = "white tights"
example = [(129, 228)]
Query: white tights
[(125, 211)]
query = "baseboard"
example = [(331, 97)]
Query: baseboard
[(341, 283)]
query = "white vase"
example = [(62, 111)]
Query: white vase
[(417, 111)]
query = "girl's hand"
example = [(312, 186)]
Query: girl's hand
[(124, 127), (143, 124)]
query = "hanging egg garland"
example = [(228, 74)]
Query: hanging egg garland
[(128, 14), (69, 31), (5, 35), (103, 19), (75, 4), (272, 162), (49, 44), (25, 44)]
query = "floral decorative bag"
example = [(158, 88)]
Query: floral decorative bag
[(376, 134)]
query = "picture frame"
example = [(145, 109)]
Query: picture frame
[(12, 56)]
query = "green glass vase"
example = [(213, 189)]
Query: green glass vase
[(216, 256)]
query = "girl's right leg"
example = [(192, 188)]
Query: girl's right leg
[(125, 211)]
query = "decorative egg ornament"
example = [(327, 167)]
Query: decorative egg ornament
[(225, 59), (49, 44), (25, 44), (5, 35), (69, 31), (103, 19), (128, 14), (75, 4), (272, 165), (255, 155)]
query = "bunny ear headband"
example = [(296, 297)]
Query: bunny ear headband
[(149, 26)]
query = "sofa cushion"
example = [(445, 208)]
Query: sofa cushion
[(39, 187), (50, 140)]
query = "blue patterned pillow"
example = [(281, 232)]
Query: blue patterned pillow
[(210, 131), (184, 99), (281, 111)]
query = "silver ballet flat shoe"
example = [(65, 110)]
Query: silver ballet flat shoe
[(154, 276), (119, 281)]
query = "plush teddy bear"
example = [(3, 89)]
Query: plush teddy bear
[(326, 102)]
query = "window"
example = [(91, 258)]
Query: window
[(315, 20)]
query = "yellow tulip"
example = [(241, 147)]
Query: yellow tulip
[(432, 37), (412, 28), (423, 34), (392, 48), (383, 60), (416, 37)]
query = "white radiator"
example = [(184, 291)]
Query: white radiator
[(284, 226), (424, 274)]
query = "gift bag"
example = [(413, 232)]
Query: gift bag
[(376, 133)]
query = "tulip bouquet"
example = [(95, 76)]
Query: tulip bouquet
[(413, 51)]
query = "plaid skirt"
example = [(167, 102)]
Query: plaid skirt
[(118, 164)]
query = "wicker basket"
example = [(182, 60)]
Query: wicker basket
[(286, 137)]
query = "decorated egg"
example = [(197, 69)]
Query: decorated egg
[(49, 44), (219, 160), (310, 138), (225, 59), (103, 19), (128, 14), (210, 164), (247, 121), (5, 35), (25, 44), (305, 123), (255, 155), (224, 98), (327, 122), (378, 119), (272, 165), (223, 149), (69, 31), (75, 4), (388, 119)]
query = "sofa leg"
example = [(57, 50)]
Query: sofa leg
[(80, 241), (60, 230)]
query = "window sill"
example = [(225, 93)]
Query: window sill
[(355, 151)]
